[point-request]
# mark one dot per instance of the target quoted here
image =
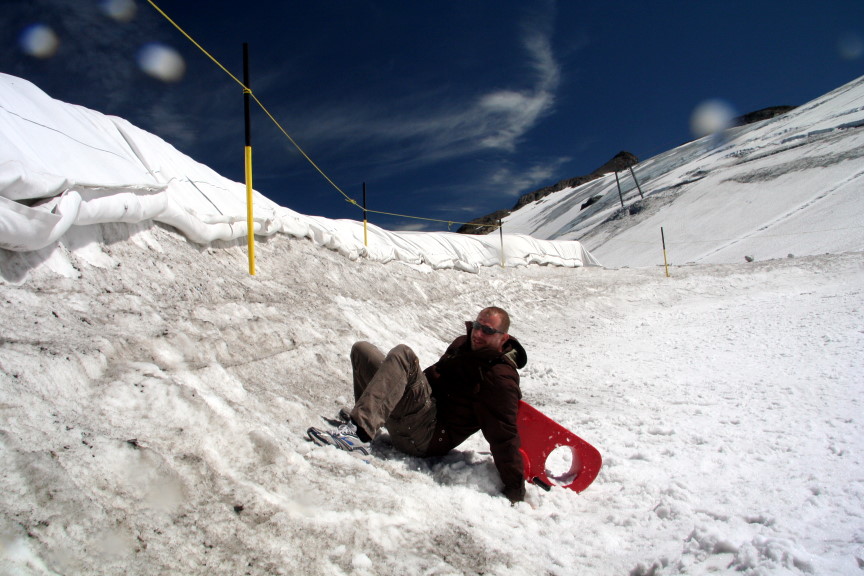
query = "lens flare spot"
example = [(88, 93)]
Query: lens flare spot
[(161, 62), (850, 47), (711, 117), (39, 41), (120, 10)]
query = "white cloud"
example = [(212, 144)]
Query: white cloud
[(432, 126), (510, 183), (502, 117)]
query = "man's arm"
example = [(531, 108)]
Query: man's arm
[(497, 411)]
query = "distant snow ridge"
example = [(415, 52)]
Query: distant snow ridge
[(789, 184), (63, 165)]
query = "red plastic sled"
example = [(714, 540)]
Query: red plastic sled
[(540, 436)]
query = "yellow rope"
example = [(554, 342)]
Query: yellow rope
[(299, 149), (448, 222), (247, 90), (197, 45)]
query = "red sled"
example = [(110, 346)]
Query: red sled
[(540, 436)]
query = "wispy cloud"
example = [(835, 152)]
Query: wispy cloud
[(510, 183), (508, 114), (428, 123), (428, 127)]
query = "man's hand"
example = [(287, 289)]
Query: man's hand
[(515, 493)]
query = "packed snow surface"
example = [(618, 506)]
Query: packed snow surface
[(154, 407), (154, 395)]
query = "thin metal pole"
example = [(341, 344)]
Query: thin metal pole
[(365, 236), (620, 196), (665, 262), (250, 213), (501, 234), (246, 94), (637, 181)]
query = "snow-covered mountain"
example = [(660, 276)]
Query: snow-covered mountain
[(154, 395), (793, 184)]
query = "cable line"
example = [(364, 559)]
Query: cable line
[(197, 45), (247, 90)]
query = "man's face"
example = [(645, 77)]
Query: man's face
[(482, 341)]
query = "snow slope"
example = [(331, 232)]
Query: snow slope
[(153, 409), (154, 398), (789, 185)]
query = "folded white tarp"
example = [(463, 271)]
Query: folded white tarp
[(63, 165)]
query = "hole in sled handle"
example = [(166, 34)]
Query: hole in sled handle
[(540, 436)]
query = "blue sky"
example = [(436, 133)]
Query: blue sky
[(447, 109)]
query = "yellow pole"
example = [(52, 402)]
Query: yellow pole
[(250, 213)]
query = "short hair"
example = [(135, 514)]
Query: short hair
[(501, 313)]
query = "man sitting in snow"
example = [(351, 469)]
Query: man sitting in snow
[(474, 386)]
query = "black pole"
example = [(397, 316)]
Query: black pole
[(620, 196), (637, 181), (365, 223), (246, 93), (665, 260), (501, 234)]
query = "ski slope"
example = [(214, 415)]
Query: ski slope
[(788, 185)]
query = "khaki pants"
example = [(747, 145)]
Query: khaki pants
[(392, 391)]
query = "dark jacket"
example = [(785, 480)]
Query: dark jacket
[(480, 391)]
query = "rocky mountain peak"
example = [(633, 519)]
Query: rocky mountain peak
[(485, 224)]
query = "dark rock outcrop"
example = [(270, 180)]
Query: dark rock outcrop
[(489, 223), (763, 114)]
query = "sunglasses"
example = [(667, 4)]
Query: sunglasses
[(488, 330)]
